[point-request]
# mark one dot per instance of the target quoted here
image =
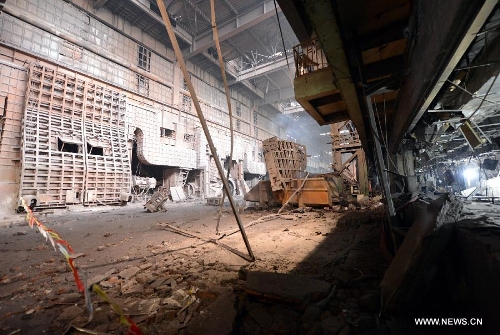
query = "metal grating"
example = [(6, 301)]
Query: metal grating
[(58, 165), (285, 160)]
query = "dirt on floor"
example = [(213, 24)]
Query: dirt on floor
[(172, 274)]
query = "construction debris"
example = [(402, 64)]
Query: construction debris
[(410, 274), (158, 200)]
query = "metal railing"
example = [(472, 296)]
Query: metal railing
[(309, 57)]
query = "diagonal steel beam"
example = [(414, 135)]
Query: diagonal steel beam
[(234, 26), (198, 10), (230, 5), (99, 3), (181, 33)]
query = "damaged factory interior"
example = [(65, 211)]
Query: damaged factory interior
[(249, 167)]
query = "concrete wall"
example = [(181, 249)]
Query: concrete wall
[(13, 80), (57, 34)]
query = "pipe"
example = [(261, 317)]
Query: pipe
[(228, 100), (203, 122)]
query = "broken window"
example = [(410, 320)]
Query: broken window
[(186, 103), (144, 58), (98, 146), (142, 85), (68, 145), (238, 125), (189, 138), (165, 132), (255, 118)]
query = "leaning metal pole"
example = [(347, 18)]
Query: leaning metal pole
[(228, 100), (213, 150)]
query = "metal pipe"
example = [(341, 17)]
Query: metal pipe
[(228, 100), (203, 123)]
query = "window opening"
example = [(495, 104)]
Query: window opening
[(67, 146), (143, 85), (144, 58), (165, 132), (94, 150)]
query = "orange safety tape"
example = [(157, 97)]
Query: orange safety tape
[(133, 328), (65, 249)]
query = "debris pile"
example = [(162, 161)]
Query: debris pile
[(273, 303)]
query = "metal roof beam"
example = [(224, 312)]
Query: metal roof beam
[(230, 5), (260, 70), (181, 33), (278, 95), (293, 109), (199, 11), (234, 26)]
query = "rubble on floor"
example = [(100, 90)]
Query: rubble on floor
[(189, 290)]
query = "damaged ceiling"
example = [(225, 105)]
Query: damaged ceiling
[(430, 68)]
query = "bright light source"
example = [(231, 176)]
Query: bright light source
[(470, 173)]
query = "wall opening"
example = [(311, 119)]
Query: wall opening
[(67, 146), (94, 150)]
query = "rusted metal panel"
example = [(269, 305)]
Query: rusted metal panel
[(315, 192), (285, 160)]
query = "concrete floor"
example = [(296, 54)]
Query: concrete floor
[(130, 251)]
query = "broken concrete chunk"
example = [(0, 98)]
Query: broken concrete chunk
[(158, 282), (99, 278), (180, 295), (142, 278), (131, 288), (145, 266), (149, 306), (296, 290), (106, 284), (128, 273), (170, 303)]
